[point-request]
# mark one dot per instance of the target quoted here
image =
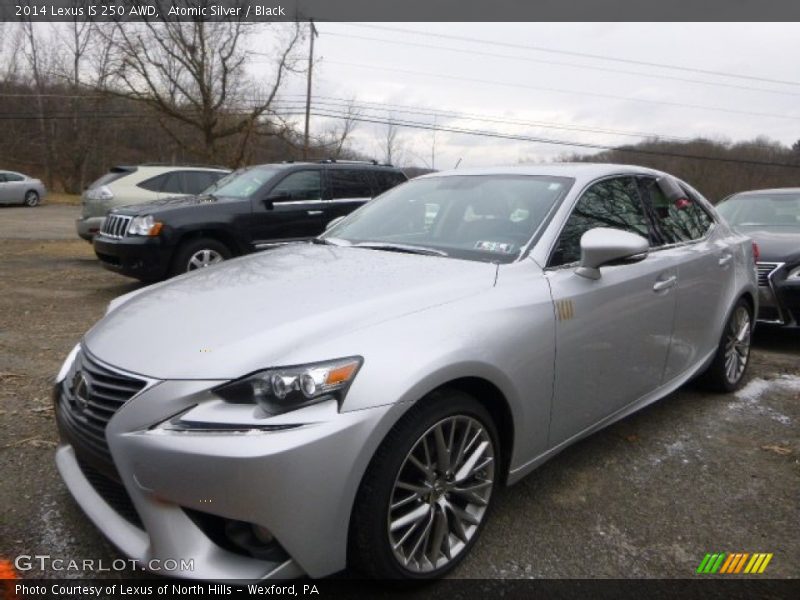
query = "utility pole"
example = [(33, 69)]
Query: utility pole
[(308, 88)]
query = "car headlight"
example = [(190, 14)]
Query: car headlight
[(62, 373), (145, 225), (284, 389), (794, 273)]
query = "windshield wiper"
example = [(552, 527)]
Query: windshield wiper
[(406, 248)]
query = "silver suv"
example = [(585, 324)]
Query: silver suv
[(358, 400), (127, 185)]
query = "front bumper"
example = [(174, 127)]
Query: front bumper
[(299, 483), (88, 227), (779, 300), (144, 258)]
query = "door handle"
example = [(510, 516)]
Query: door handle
[(314, 212), (665, 284), (725, 259)]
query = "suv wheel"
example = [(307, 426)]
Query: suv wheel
[(199, 253), (427, 491)]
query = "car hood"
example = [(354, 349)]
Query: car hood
[(253, 312), (165, 205), (775, 245)]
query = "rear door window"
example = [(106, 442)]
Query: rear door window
[(678, 220), (197, 181), (350, 183)]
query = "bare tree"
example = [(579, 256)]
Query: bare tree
[(193, 74), (36, 54), (334, 141), (393, 148)]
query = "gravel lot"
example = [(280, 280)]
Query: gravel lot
[(647, 497)]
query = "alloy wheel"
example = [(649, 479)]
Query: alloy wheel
[(31, 199), (204, 258), (737, 344), (441, 493)]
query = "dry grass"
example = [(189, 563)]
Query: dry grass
[(62, 198)]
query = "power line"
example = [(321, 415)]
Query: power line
[(574, 53), (564, 64), (524, 138), (430, 112), (564, 91)]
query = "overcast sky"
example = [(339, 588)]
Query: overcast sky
[(519, 84)]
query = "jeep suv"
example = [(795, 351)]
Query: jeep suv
[(250, 209), (126, 185)]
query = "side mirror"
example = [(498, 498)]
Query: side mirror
[(603, 245), (333, 222)]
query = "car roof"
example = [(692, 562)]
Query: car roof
[(579, 171), (155, 169)]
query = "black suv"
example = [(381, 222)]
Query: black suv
[(250, 209)]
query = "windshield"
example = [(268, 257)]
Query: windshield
[(242, 183), (475, 217), (752, 210)]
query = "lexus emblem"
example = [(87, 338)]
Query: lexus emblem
[(81, 389)]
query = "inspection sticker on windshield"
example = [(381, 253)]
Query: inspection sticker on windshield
[(501, 247)]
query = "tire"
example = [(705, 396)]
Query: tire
[(193, 253), (727, 371), (453, 517), (31, 198)]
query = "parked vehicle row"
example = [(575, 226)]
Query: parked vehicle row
[(247, 210), (16, 188), (358, 400)]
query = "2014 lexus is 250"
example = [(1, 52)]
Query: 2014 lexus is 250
[(358, 400)]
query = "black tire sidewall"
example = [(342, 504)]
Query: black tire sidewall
[(715, 377), (369, 539), (190, 247)]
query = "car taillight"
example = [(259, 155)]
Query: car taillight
[(756, 252)]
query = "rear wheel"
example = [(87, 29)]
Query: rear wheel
[(427, 492), (198, 254), (31, 199), (726, 373)]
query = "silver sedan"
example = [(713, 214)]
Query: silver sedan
[(16, 188), (358, 400)]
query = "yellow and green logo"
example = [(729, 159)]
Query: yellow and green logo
[(734, 562)]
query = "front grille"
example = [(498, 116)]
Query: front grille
[(90, 395), (765, 269), (116, 226), (113, 492)]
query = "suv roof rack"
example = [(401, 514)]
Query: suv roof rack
[(354, 162), (336, 161)]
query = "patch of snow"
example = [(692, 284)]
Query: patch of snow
[(749, 396)]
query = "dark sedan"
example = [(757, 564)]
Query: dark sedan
[(772, 219)]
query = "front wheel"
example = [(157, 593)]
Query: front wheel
[(726, 373), (198, 254), (427, 492), (31, 199)]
